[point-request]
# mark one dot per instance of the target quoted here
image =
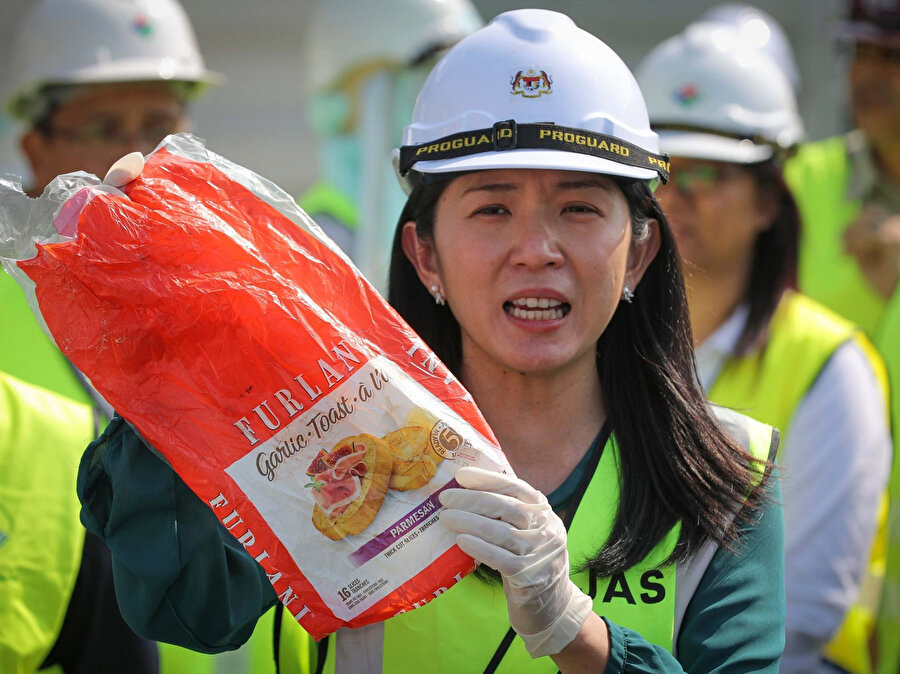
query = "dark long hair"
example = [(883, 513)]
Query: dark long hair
[(774, 266), (677, 463)]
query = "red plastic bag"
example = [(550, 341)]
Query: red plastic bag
[(217, 319)]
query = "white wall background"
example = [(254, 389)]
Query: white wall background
[(257, 118)]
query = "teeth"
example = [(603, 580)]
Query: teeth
[(535, 302), (544, 315)]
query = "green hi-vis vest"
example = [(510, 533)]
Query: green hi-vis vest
[(819, 176), (27, 353), (463, 630), (769, 384), (256, 656), (335, 213), (42, 436), (324, 199)]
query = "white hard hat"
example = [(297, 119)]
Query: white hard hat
[(531, 90), (759, 30), (345, 35), (96, 41), (711, 96)]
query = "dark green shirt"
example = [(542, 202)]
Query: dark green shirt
[(182, 578)]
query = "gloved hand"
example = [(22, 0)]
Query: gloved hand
[(503, 522), (125, 170)]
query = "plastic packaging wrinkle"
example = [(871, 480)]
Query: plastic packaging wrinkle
[(239, 341)]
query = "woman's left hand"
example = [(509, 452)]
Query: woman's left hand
[(505, 523)]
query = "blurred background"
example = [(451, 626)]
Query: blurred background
[(257, 118)]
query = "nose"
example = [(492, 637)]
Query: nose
[(536, 243)]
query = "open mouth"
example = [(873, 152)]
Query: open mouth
[(536, 308)]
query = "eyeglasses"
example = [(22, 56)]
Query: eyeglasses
[(702, 179), (109, 133)]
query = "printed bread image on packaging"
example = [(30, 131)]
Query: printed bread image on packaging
[(220, 322), (415, 460), (349, 484)]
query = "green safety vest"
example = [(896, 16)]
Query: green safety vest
[(27, 353), (803, 336), (461, 631), (256, 656), (819, 176), (42, 436), (324, 199)]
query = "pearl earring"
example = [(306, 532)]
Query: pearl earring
[(438, 298), (627, 294)]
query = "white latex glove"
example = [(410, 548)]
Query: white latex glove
[(503, 522), (125, 170)]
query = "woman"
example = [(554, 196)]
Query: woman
[(727, 115), (539, 267)]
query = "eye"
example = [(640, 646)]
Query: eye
[(581, 209), (493, 209)]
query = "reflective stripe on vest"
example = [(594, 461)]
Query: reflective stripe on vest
[(42, 436), (803, 336), (461, 631), (888, 645)]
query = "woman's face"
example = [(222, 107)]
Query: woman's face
[(532, 263), (716, 213)]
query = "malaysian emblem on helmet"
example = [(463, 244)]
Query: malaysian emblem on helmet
[(142, 25), (687, 94), (531, 83)]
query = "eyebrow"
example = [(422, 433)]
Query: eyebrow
[(561, 186), (492, 187)]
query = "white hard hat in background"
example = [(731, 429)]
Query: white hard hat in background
[(345, 35), (530, 66), (760, 30), (96, 41), (712, 96)]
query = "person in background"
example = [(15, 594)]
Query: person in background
[(364, 76), (544, 275), (727, 116), (57, 604), (848, 190), (91, 80)]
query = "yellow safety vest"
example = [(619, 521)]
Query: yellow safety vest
[(461, 631), (256, 656), (819, 176), (42, 436), (27, 353), (324, 199), (768, 384)]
